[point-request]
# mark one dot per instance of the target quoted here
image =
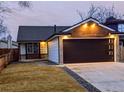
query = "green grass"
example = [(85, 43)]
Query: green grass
[(33, 77)]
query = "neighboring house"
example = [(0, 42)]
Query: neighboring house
[(116, 24), (87, 41), (8, 43)]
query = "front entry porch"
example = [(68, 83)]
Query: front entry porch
[(37, 50)]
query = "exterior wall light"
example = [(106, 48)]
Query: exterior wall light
[(42, 43), (85, 25), (93, 25), (112, 36), (65, 37)]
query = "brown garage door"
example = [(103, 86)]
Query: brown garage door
[(88, 50)]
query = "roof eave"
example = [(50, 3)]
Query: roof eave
[(28, 41), (57, 35), (85, 21), (119, 33)]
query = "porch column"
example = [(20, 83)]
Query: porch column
[(116, 50)]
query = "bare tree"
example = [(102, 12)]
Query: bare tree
[(92, 11), (101, 13), (80, 14), (25, 4), (5, 9)]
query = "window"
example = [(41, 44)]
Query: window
[(121, 27), (32, 48)]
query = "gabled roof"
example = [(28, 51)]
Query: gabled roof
[(85, 21), (42, 33), (69, 29), (37, 33)]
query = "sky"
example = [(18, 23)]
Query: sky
[(49, 13)]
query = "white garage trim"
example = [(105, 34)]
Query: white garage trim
[(116, 46)]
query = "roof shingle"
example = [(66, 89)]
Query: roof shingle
[(37, 33)]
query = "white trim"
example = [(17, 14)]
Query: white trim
[(89, 38), (115, 53), (90, 19), (52, 37), (106, 27)]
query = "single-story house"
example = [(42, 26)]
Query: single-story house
[(86, 41)]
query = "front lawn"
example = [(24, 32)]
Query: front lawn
[(33, 77)]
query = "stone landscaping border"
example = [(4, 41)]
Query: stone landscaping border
[(81, 81)]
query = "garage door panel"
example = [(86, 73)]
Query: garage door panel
[(84, 50), (53, 51)]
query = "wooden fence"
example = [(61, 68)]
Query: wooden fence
[(7, 56)]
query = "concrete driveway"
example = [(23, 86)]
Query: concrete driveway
[(106, 76)]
